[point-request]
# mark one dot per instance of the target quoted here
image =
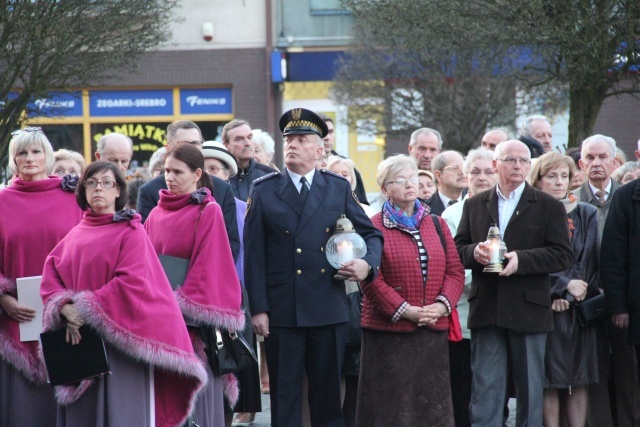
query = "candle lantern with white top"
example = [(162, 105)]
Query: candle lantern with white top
[(497, 249), (344, 245)]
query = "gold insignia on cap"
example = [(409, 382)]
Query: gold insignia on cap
[(296, 113)]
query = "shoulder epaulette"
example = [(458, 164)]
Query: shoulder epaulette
[(332, 173), (265, 177)]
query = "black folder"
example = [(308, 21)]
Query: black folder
[(67, 363), (175, 268)]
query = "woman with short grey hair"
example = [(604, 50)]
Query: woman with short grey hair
[(626, 173), (408, 309)]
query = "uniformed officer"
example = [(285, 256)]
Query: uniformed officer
[(296, 304)]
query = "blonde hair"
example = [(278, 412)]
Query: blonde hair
[(337, 160), (547, 162), (64, 154), (390, 167), (26, 139)]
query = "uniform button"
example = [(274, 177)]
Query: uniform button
[(322, 271), (286, 231), (322, 249), (299, 250), (417, 259), (299, 271), (327, 230)]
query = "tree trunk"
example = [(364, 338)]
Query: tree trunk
[(585, 104)]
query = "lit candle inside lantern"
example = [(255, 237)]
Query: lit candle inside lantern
[(345, 251), (494, 251)]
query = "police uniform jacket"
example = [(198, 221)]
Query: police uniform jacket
[(286, 270)]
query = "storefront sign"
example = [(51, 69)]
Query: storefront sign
[(118, 103), (57, 104), (206, 101)]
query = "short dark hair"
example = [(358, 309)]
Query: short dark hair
[(326, 118), (91, 170), (173, 128), (193, 158)]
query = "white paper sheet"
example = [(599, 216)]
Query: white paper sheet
[(29, 295)]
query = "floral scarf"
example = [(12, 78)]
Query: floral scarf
[(401, 219)]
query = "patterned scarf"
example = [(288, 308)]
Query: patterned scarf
[(401, 219)]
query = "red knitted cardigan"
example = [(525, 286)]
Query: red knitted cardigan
[(400, 276)]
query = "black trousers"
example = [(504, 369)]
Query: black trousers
[(460, 376), (318, 351)]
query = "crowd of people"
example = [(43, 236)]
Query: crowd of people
[(453, 324)]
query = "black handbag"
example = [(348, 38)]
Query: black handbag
[(591, 310), (230, 352)]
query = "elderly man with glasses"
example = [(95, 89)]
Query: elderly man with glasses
[(510, 312), (187, 132), (451, 182)]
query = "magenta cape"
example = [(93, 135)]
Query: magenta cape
[(111, 273), (34, 217), (211, 292)]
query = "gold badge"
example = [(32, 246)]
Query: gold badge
[(355, 198), (248, 206), (296, 113)]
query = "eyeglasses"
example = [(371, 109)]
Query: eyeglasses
[(403, 181), (512, 161), (453, 168), (27, 129), (216, 169), (93, 183), (196, 143), (478, 172)]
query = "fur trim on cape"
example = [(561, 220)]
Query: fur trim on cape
[(229, 319), (231, 389), (52, 319), (7, 285), (141, 349), (33, 369)]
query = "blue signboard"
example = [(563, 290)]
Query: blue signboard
[(206, 101), (57, 104), (119, 103)]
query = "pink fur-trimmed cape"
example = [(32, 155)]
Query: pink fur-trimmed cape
[(211, 292), (34, 217), (179, 227), (113, 277)]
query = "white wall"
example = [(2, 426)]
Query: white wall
[(237, 24)]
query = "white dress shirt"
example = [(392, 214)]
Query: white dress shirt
[(507, 206)]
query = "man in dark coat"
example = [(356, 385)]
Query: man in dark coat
[(187, 132), (297, 304), (510, 312), (619, 261), (598, 161), (237, 137)]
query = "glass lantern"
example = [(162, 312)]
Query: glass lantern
[(344, 245), (497, 249)]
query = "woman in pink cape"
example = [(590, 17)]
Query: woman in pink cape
[(35, 213), (105, 274), (188, 223)]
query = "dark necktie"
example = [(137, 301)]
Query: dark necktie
[(304, 189), (600, 196), (453, 202)]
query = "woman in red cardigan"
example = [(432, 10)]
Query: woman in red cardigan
[(405, 313)]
